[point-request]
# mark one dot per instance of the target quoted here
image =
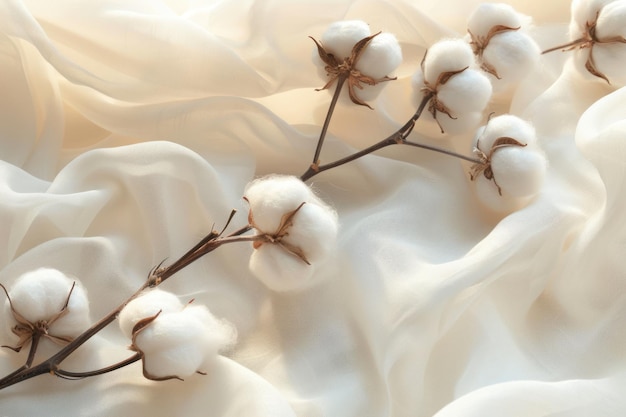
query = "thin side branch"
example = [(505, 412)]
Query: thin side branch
[(80, 375), (399, 137)]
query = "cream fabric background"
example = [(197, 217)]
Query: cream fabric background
[(128, 128)]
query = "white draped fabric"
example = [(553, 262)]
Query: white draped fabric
[(129, 128)]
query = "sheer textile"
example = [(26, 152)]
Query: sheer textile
[(129, 128)]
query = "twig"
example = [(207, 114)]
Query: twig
[(399, 137), (159, 274)]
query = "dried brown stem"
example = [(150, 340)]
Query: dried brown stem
[(81, 375), (329, 114), (399, 137)]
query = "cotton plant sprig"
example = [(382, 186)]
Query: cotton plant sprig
[(597, 34), (172, 340), (508, 166), (348, 52), (70, 314), (499, 39), (448, 83)]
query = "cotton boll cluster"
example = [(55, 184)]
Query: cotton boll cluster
[(458, 90), (296, 231), (503, 48), (365, 68), (513, 165), (600, 29), (49, 302), (175, 340)]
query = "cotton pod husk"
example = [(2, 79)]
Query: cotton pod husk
[(445, 56), (40, 295), (147, 304)]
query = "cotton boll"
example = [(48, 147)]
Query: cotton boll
[(147, 305), (465, 94), (506, 125), (513, 55), (314, 231), (612, 20), (446, 56), (519, 171), (610, 58), (488, 15), (278, 270), (607, 57), (77, 318), (283, 250), (217, 336), (172, 345), (273, 196), (584, 11), (467, 91), (381, 57), (181, 343), (340, 37), (220, 334), (40, 295)]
